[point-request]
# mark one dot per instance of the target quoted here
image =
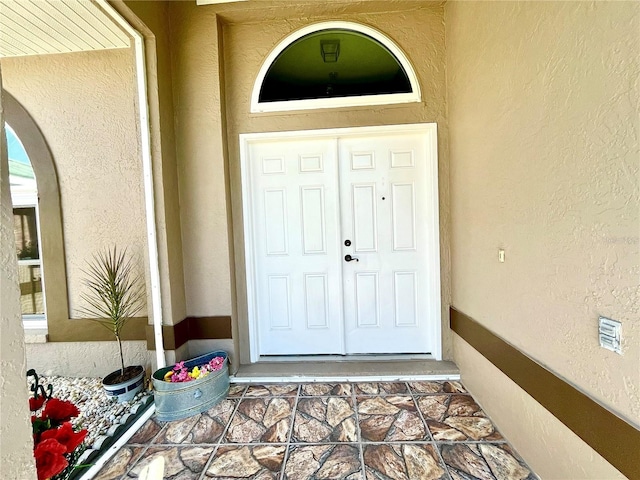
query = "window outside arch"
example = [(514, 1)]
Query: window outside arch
[(51, 244), (334, 64), (26, 229)]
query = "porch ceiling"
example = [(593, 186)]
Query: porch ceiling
[(37, 27)]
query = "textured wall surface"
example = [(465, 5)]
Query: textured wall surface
[(417, 29), (153, 23), (550, 448), (201, 165), (543, 116), (86, 359), (84, 104), (16, 444)]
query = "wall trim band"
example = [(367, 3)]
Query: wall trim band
[(615, 439), (191, 328), (88, 330)]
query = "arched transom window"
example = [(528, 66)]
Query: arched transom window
[(334, 64)]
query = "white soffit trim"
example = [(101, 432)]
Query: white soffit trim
[(39, 27), (364, 100)]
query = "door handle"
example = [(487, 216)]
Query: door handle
[(349, 258)]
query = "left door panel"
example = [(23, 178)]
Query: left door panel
[(295, 220)]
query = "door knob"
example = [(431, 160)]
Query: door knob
[(349, 258)]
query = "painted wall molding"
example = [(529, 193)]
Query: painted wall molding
[(191, 328), (612, 437)]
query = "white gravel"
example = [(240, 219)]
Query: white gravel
[(98, 411)]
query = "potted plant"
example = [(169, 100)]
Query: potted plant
[(115, 293)]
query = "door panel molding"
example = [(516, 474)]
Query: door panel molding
[(424, 285)]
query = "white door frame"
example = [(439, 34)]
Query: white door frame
[(433, 260)]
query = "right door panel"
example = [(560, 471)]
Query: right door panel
[(384, 203)]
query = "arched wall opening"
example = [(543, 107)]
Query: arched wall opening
[(334, 64), (26, 230), (49, 206)]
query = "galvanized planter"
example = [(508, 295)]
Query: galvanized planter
[(175, 401)]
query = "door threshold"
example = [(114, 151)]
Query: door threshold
[(376, 357), (367, 370)]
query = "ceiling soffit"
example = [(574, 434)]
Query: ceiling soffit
[(37, 27)]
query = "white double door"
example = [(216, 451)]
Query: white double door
[(342, 242)]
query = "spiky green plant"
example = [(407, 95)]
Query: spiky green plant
[(115, 292)]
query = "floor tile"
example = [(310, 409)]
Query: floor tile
[(439, 407), (120, 463), (147, 433), (326, 462), (211, 424), (456, 418), (322, 389), (236, 390), (262, 419), (381, 388), (184, 463), (272, 390), (324, 419), (255, 462), (484, 461), (390, 419), (436, 387), (408, 461), (176, 431), (402, 431)]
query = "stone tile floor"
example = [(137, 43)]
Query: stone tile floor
[(365, 431)]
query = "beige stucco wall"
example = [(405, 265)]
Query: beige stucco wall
[(417, 29), (198, 103), (86, 359), (16, 444), (543, 104), (85, 106), (549, 447), (151, 20)]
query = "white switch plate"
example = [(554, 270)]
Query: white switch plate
[(501, 255), (610, 334)]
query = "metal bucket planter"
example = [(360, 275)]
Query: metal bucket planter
[(124, 391), (175, 401)]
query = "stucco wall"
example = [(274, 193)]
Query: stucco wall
[(85, 105), (543, 117), (151, 20), (198, 103), (86, 359), (16, 443), (417, 30)]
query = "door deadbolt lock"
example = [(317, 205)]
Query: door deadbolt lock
[(347, 243)]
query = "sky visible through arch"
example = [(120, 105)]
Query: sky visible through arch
[(15, 149)]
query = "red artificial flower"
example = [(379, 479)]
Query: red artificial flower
[(66, 436), (49, 458), (60, 410), (36, 403)]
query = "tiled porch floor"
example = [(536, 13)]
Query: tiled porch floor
[(365, 431)]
